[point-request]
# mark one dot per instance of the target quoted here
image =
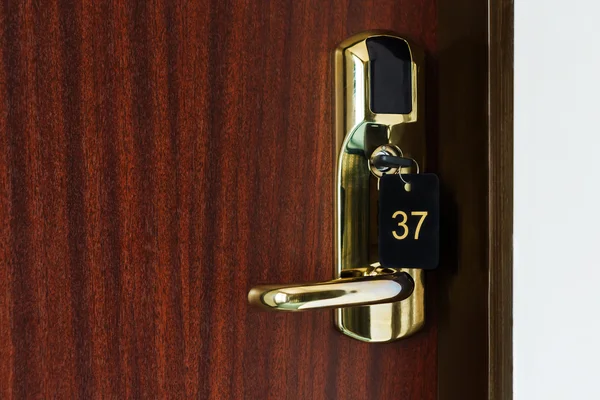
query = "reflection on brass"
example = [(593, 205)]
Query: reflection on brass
[(361, 287), (358, 133)]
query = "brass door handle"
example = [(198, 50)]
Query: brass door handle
[(371, 286)]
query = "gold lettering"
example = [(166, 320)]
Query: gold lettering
[(402, 224), (423, 215)]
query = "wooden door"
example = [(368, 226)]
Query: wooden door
[(157, 158)]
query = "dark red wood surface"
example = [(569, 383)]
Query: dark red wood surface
[(158, 158)]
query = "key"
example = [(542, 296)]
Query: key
[(386, 161)]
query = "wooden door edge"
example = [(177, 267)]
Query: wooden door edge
[(500, 198), (473, 103)]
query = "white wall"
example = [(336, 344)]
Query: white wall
[(557, 200)]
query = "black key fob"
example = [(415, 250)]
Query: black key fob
[(409, 221)]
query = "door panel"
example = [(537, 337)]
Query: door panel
[(156, 160)]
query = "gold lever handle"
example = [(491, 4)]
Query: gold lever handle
[(373, 286)]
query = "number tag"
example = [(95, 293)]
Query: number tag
[(409, 221)]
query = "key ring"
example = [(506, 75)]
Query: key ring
[(399, 172)]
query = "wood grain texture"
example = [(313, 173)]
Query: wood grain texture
[(501, 198), (157, 158)]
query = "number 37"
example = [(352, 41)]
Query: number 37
[(402, 224)]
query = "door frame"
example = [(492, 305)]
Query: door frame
[(500, 200), (474, 108)]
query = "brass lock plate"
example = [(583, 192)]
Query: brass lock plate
[(379, 93)]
